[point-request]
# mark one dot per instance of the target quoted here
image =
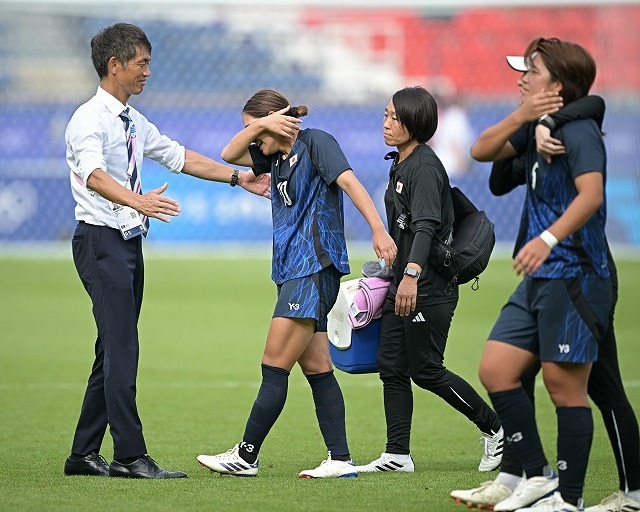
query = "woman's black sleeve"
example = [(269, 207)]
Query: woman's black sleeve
[(587, 107), (506, 175), (421, 245)]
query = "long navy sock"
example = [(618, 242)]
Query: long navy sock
[(575, 434), (329, 401), (265, 411), (518, 419)]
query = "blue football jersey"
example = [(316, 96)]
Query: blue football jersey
[(306, 205), (550, 190)]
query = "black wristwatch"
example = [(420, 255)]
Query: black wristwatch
[(412, 272), (547, 120), (234, 178)]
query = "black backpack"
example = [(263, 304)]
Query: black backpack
[(468, 254)]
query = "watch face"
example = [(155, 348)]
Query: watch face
[(411, 272)]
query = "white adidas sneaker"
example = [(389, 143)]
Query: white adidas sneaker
[(528, 491), (229, 463), (493, 447), (484, 497), (617, 502), (388, 462), (331, 469), (554, 503)]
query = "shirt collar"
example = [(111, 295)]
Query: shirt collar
[(111, 102)]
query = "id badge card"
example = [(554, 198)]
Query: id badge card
[(128, 220)]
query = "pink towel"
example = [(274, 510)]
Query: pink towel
[(367, 303)]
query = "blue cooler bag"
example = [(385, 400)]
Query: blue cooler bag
[(352, 351)]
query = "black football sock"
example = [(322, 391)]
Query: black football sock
[(329, 401), (510, 461), (575, 434), (265, 411), (517, 415)]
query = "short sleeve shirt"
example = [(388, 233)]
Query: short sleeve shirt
[(306, 205), (551, 189)]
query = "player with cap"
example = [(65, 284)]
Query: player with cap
[(560, 310), (606, 388)]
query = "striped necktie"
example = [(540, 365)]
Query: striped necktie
[(134, 178)]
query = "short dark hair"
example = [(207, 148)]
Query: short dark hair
[(417, 111), (568, 63), (270, 100), (120, 41)]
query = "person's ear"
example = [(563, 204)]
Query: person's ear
[(113, 64), (556, 86)]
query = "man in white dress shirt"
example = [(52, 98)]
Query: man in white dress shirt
[(106, 142)]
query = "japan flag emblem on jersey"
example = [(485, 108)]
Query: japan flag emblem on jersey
[(292, 160), (399, 186)]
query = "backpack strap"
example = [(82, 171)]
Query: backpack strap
[(401, 209)]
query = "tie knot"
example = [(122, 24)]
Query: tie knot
[(126, 118)]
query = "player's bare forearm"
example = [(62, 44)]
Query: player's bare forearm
[(590, 197), (383, 244), (236, 152), (493, 144)]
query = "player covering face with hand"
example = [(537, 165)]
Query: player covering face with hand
[(560, 311), (309, 174)]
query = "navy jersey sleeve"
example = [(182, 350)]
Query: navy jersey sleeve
[(520, 139), (327, 156), (585, 148), (261, 162)]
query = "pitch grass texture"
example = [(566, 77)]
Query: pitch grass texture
[(202, 328)]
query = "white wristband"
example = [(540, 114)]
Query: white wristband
[(549, 239)]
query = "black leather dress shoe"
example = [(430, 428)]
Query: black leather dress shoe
[(143, 467), (89, 465)]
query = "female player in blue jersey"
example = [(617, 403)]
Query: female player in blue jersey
[(606, 387), (560, 311), (309, 172)]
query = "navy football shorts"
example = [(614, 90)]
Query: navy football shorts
[(559, 320), (309, 297)]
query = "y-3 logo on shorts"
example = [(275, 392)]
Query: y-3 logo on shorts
[(293, 306), (564, 348)]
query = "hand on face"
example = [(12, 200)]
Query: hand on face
[(280, 125), (535, 105)]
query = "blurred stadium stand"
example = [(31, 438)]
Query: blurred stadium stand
[(343, 63)]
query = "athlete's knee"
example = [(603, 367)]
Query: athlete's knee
[(563, 395), (316, 366), (495, 378), (431, 377)]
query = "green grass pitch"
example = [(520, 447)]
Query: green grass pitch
[(203, 327)]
